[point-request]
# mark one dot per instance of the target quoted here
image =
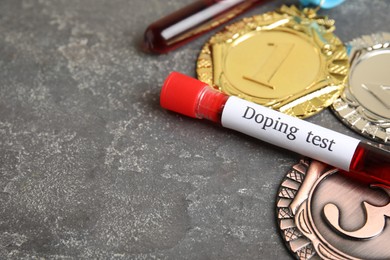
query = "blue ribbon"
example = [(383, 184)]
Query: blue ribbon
[(326, 4)]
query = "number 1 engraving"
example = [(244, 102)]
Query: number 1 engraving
[(280, 52)]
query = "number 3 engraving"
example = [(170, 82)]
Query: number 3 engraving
[(375, 219)]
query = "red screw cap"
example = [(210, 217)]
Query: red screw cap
[(181, 93)]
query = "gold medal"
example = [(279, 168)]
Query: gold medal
[(365, 104), (287, 59)]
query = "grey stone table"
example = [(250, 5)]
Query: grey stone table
[(92, 168)]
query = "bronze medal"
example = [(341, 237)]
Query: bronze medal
[(323, 214), (288, 60)]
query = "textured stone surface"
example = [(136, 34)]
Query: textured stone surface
[(92, 167)]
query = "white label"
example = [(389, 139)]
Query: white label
[(289, 132)]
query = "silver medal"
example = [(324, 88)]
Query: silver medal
[(365, 104)]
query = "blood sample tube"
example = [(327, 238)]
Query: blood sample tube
[(184, 25), (196, 99)]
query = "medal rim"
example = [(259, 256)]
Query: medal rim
[(320, 245)]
